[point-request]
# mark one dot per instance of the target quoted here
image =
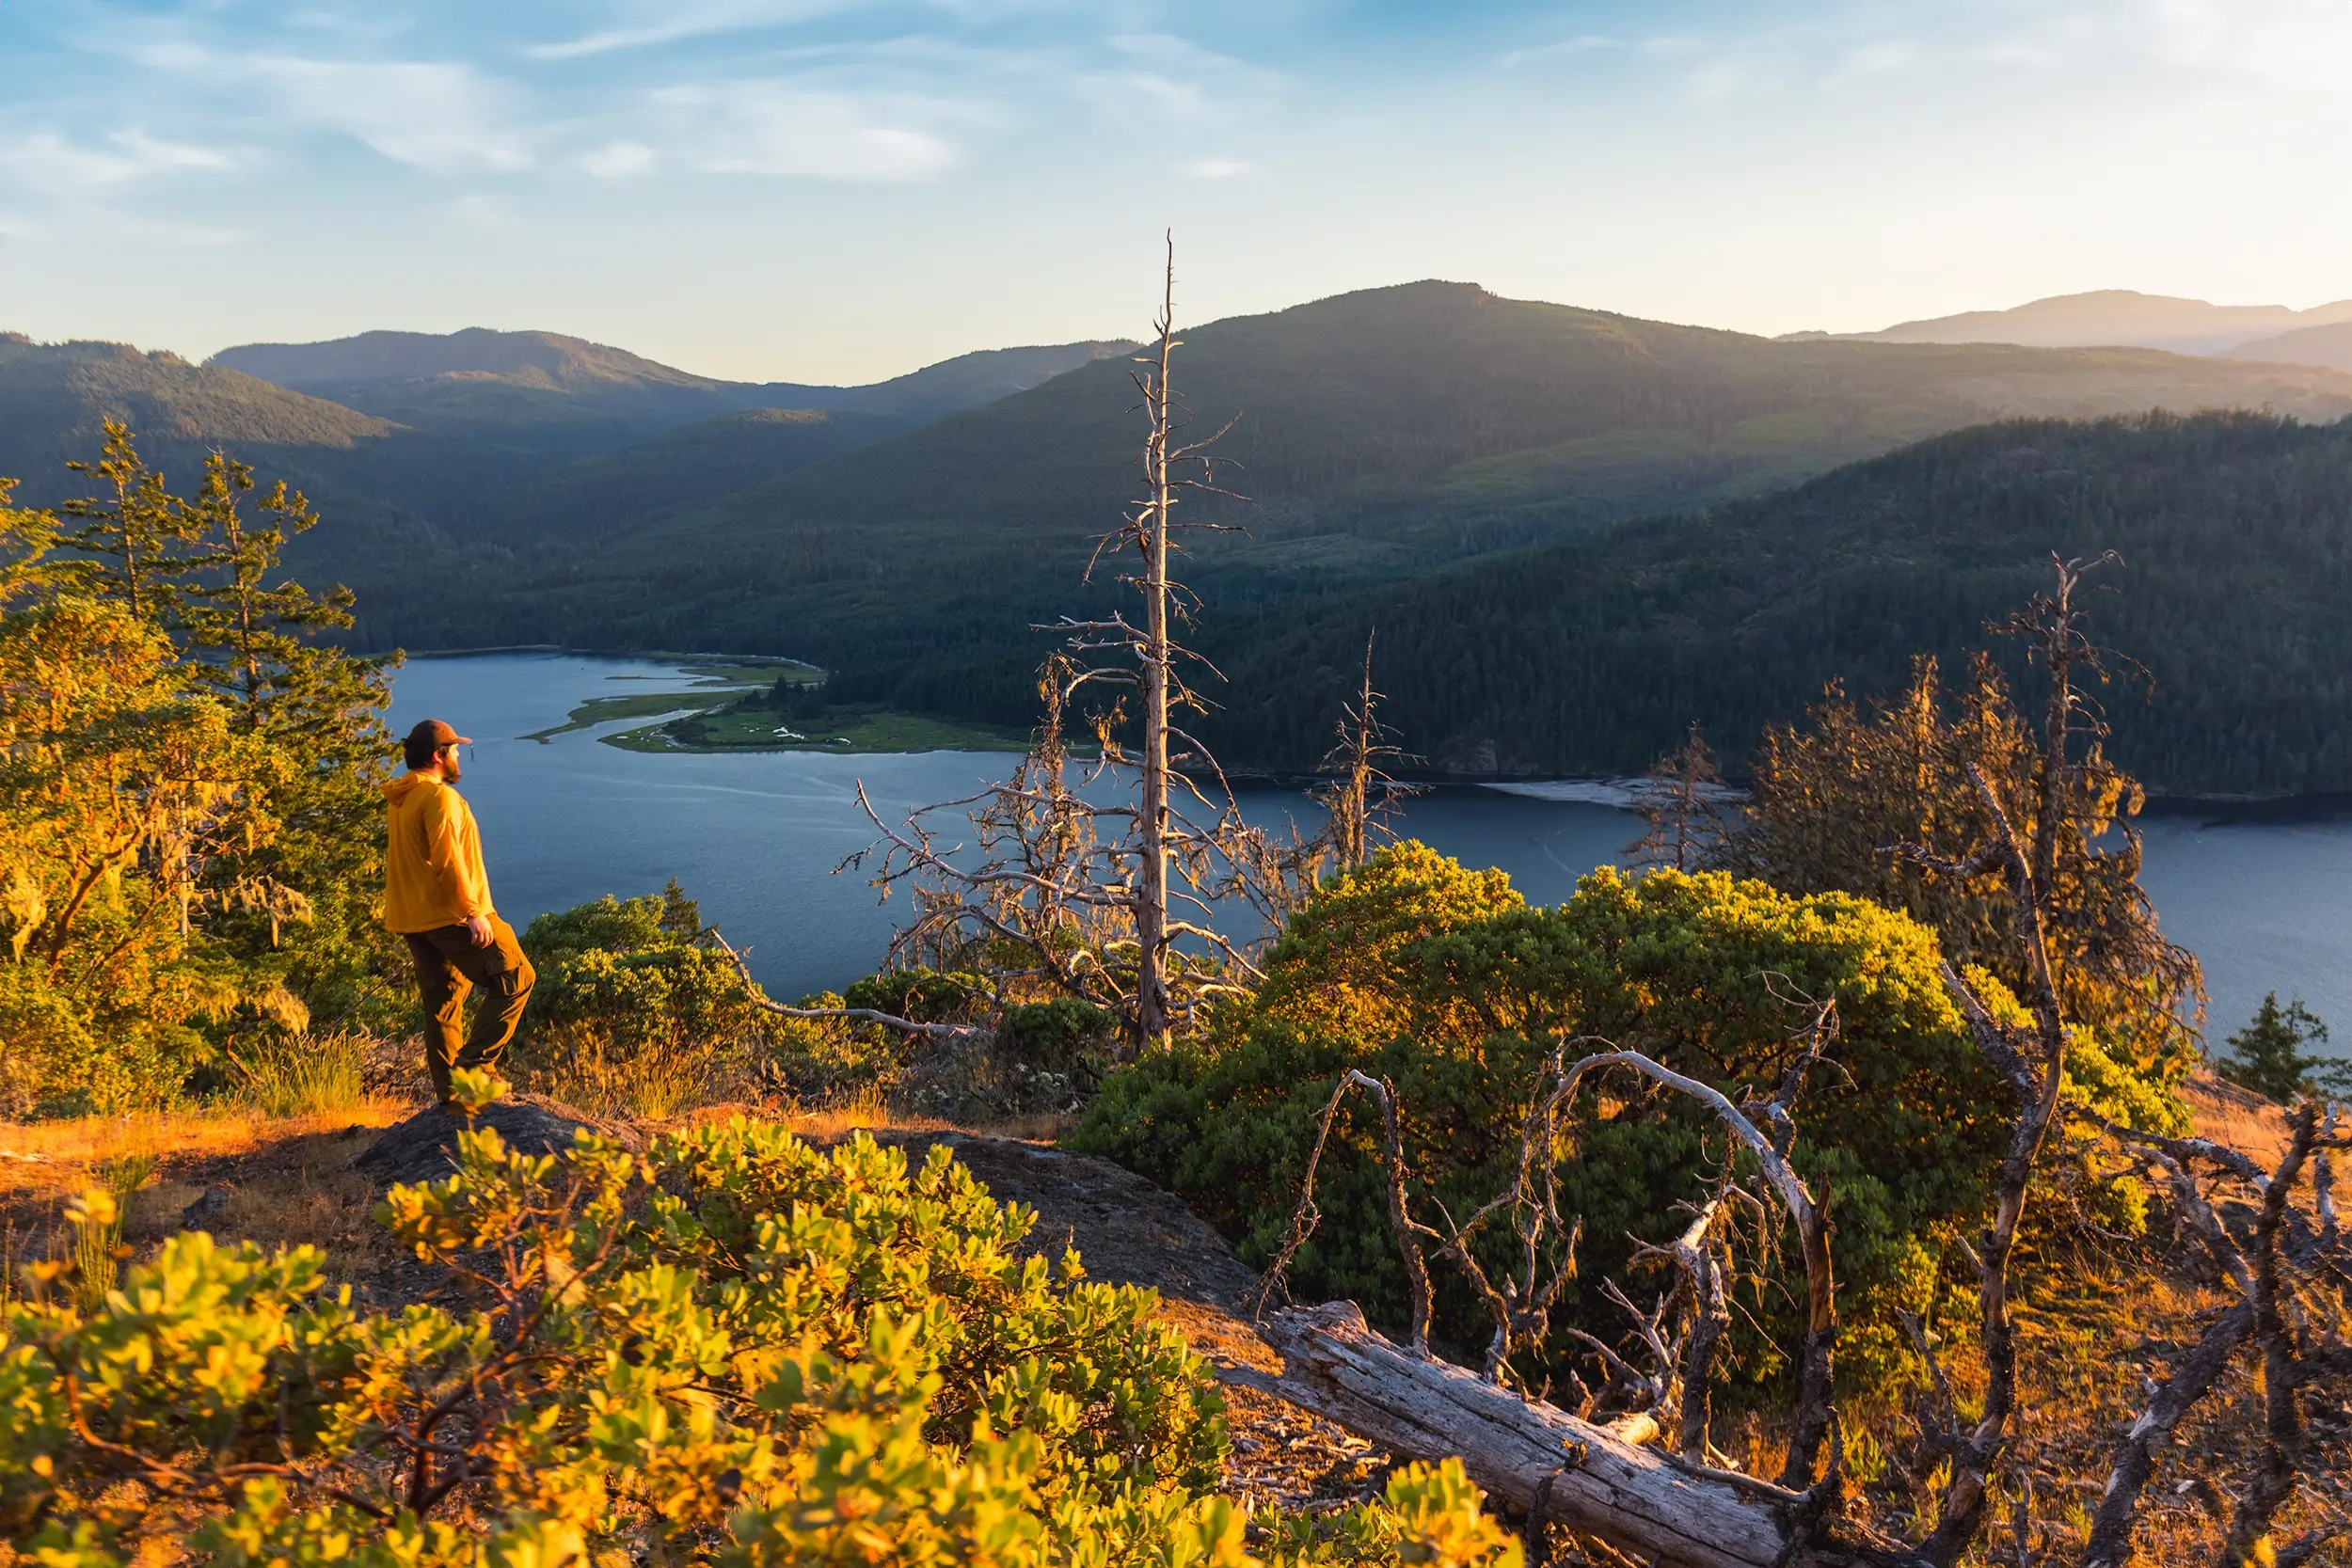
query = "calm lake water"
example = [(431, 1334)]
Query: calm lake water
[(2266, 904)]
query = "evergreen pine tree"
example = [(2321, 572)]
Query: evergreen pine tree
[(2267, 1054), (253, 638), (131, 541)]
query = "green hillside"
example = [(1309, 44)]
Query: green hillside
[(53, 397), (1383, 434), (1589, 656), (677, 470), (394, 497), (448, 487)]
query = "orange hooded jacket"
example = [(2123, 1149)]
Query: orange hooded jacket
[(433, 872)]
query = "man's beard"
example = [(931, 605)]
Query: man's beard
[(451, 772)]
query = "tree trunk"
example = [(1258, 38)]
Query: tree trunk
[(1152, 901), (1540, 1460)]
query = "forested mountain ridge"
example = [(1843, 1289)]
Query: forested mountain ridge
[(1591, 656), (560, 399), (1392, 440), (419, 484), (374, 359), (1382, 434), (52, 397), (386, 485), (679, 470)]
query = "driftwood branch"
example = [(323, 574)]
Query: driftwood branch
[(1532, 1455), (855, 1015)]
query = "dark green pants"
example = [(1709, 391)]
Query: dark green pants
[(449, 967)]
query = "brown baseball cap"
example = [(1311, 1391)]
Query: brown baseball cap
[(433, 732)]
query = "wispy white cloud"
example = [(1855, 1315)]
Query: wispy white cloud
[(2299, 43), (648, 25), (1174, 76), (50, 159), (619, 160), (442, 117), (1215, 168), (1585, 43), (791, 128)]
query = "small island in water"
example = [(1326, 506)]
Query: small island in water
[(770, 705)]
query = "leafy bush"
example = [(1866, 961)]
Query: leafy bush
[(635, 1012), (919, 995), (1064, 1035), (1443, 981), (733, 1349)]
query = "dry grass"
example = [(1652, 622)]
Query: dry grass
[(281, 1180), (2236, 1116)]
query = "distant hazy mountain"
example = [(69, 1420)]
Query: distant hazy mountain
[(435, 451), (544, 359), (2329, 345), (2118, 318), (553, 398), (1383, 434)]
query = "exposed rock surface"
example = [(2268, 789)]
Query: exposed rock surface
[(424, 1147)]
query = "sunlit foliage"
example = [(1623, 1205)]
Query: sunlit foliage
[(732, 1349), (1443, 981)]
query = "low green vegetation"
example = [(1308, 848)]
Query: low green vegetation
[(772, 707), (845, 728), (732, 1348), (713, 686)]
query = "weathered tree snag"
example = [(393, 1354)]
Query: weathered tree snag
[(1524, 1451), (2136, 1456)]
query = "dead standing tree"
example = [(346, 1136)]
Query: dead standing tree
[(2023, 849), (1681, 800), (1089, 913), (1359, 794), (2292, 1277)]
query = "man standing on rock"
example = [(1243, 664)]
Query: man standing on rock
[(438, 896)]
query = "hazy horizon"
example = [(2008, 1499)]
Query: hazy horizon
[(832, 192), (906, 369)]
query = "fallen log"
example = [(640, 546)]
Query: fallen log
[(1545, 1463)]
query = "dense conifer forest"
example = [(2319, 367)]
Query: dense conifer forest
[(1593, 655)]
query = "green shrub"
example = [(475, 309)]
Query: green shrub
[(733, 1349), (1442, 980), (919, 995), (635, 1012)]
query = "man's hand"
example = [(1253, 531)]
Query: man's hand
[(478, 927)]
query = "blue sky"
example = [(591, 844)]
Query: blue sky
[(825, 190)]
